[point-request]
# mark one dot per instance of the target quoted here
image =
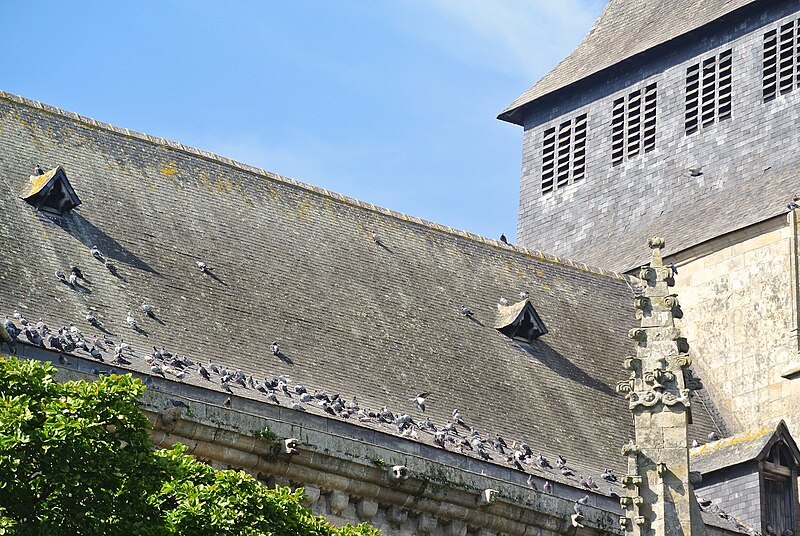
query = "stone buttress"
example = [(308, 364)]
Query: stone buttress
[(659, 499)]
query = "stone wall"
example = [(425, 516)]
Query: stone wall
[(739, 297), (612, 199)]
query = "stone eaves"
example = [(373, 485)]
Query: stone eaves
[(295, 263)]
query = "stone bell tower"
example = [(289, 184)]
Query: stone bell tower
[(659, 500)]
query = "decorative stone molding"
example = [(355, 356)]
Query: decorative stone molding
[(398, 473), (289, 446), (312, 494), (487, 497)]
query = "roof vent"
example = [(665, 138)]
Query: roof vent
[(50, 191), (520, 321)]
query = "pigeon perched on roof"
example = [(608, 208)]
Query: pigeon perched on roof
[(298, 406), (374, 236), (419, 400), (609, 476), (561, 461), (465, 310), (276, 348), (61, 277), (503, 238), (37, 170), (148, 309), (96, 253), (588, 483), (227, 402), (566, 471), (156, 369), (22, 319), (580, 503), (131, 321), (73, 279), (91, 319), (548, 487), (543, 462), (523, 295), (205, 268), (713, 436), (503, 302)]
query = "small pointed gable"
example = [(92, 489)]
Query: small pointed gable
[(754, 444), (520, 321), (51, 192)]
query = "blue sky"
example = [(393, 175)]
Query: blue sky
[(390, 102)]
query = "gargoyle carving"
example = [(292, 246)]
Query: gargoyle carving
[(637, 334), (691, 381)]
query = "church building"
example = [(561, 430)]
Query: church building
[(630, 366)]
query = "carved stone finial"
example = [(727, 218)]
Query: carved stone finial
[(655, 242)]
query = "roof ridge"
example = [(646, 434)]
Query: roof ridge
[(541, 255)]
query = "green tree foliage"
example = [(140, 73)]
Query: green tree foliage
[(75, 458)]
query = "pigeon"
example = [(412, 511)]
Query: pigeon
[(77, 271), (95, 353), (561, 461), (543, 462), (55, 343), (148, 310), (588, 483), (90, 318), (792, 205), (374, 235), (609, 476), (713, 436), (272, 398), (419, 400), (465, 310), (548, 487), (22, 319), (298, 406), (156, 369), (62, 359), (61, 277), (204, 373), (131, 321), (566, 471), (276, 349), (696, 171), (695, 443), (457, 418), (96, 253), (227, 402), (73, 279), (531, 483), (205, 268), (523, 295), (503, 238), (37, 170), (673, 268), (439, 438), (227, 388), (503, 302), (580, 503)]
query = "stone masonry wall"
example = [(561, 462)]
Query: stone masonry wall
[(739, 314), (611, 200), (736, 491)]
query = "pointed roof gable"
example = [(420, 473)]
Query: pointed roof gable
[(51, 192), (751, 445), (624, 29)]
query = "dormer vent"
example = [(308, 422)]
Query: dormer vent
[(520, 321), (51, 192)]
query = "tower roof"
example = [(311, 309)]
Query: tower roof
[(624, 29)]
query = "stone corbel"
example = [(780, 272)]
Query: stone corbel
[(338, 501), (631, 480), (289, 446), (632, 363), (624, 522), (366, 509), (456, 528), (396, 515), (426, 524)]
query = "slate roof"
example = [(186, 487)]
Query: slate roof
[(740, 448), (721, 207), (624, 29), (297, 264)]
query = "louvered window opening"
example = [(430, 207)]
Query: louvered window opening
[(633, 124), (708, 92), (781, 49), (564, 154)]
